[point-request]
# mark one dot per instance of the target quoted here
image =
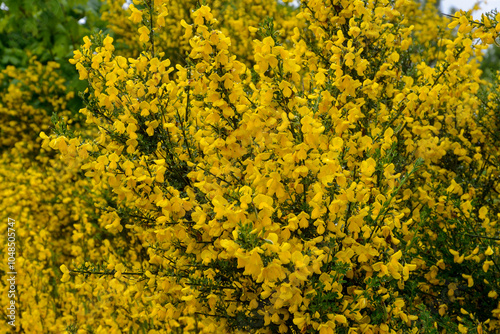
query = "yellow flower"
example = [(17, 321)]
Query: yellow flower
[(144, 34)]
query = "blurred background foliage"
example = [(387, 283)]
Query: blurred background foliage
[(49, 30)]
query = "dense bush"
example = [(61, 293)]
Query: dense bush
[(249, 166)]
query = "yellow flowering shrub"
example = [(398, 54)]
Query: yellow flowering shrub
[(40, 193), (27, 100), (134, 28), (330, 168)]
